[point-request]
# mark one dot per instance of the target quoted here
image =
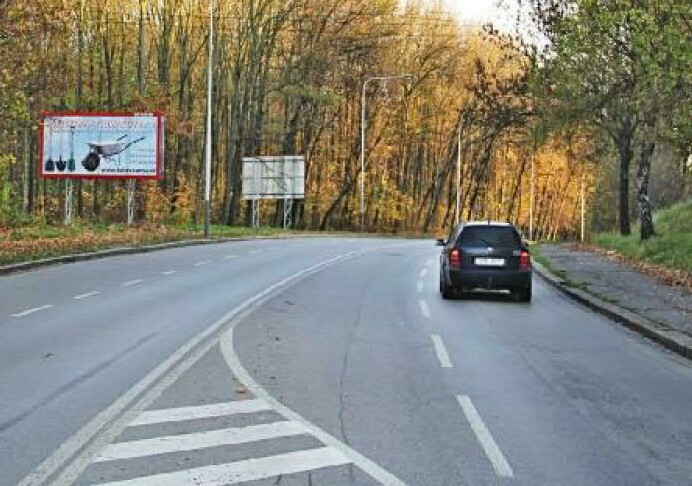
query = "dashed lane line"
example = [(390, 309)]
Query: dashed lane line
[(32, 311), (86, 296), (242, 471), (168, 272), (441, 351), (230, 257), (423, 273), (490, 447), (179, 414), (419, 287), (424, 309), (199, 440), (203, 263), (132, 282)]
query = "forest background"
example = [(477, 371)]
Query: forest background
[(595, 95)]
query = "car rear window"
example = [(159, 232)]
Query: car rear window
[(490, 236)]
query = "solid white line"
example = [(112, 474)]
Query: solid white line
[(200, 412), (419, 287), (424, 309), (423, 272), (366, 465), (199, 440), (131, 283), (31, 311), (441, 351), (492, 451), (242, 471), (228, 257), (202, 263), (168, 272), (85, 296)]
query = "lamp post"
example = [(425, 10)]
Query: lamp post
[(362, 137), (207, 152)]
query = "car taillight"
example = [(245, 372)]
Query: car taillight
[(524, 260), (455, 258)]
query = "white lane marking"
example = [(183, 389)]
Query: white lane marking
[(366, 465), (423, 273), (424, 309), (430, 261), (492, 450), (200, 412), (202, 263), (132, 282), (86, 296), (75, 454), (441, 351), (242, 471), (31, 311), (229, 257), (168, 272), (419, 287), (199, 440), (255, 252)]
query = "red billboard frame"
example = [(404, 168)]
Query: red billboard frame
[(160, 148)]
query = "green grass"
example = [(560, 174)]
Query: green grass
[(671, 247)]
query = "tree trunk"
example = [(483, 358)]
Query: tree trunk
[(647, 147)]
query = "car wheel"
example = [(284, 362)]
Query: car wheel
[(445, 289), (524, 294)]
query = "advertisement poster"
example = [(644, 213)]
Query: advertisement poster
[(102, 145)]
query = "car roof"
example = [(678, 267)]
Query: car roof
[(488, 223)]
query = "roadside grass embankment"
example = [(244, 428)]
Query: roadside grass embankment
[(36, 242), (671, 247)]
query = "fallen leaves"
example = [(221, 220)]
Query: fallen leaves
[(669, 276)]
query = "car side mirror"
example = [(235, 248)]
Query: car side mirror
[(440, 242)]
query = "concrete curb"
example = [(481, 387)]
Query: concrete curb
[(131, 250), (666, 336)]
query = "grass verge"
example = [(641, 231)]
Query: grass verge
[(671, 247), (29, 243)]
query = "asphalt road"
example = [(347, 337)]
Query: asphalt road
[(323, 362)]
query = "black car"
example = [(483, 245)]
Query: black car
[(485, 255)]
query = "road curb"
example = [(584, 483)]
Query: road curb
[(670, 338), (131, 250)]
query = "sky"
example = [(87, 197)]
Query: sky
[(484, 11)]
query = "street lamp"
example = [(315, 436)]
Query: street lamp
[(207, 152), (362, 137)]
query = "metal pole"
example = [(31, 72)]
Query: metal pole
[(207, 168), (362, 138), (531, 201), (458, 208), (68, 202), (583, 209), (131, 202), (362, 154)]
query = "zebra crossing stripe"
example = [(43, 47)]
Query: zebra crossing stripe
[(200, 412), (199, 440), (241, 471)]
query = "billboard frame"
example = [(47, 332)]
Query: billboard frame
[(160, 141)]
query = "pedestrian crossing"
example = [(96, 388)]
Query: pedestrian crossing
[(172, 436)]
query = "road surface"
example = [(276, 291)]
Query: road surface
[(329, 361)]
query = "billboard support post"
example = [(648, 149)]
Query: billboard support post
[(130, 202), (68, 202)]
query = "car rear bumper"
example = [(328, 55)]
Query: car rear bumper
[(495, 279)]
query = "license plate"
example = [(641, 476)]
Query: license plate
[(490, 262)]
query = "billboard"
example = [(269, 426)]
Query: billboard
[(274, 177), (102, 145)]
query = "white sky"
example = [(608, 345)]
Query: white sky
[(502, 16)]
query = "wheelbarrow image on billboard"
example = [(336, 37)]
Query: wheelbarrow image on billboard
[(99, 151)]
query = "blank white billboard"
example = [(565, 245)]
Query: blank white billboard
[(275, 177)]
